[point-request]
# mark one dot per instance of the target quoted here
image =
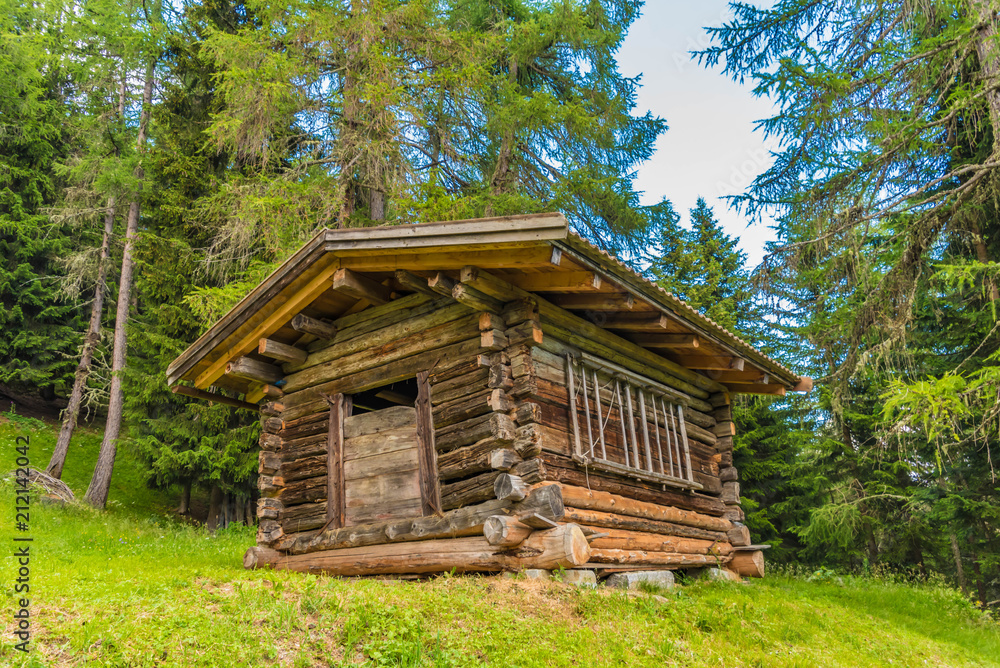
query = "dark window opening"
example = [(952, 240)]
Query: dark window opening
[(400, 393)]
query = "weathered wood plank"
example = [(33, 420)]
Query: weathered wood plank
[(335, 502), (430, 489)]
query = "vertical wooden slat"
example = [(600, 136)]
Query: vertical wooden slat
[(656, 429), (667, 428), (586, 409), (572, 406), (335, 504), (621, 417), (600, 418), (631, 426), (645, 429), (684, 436), (430, 484)]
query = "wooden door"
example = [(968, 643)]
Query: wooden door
[(381, 466)]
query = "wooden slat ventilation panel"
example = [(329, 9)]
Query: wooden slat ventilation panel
[(652, 441)]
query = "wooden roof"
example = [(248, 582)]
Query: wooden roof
[(536, 253)]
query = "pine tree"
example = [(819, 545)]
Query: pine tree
[(705, 267), (436, 112), (38, 328), (884, 191)]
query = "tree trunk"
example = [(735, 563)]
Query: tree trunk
[(239, 508), (871, 543), (215, 501), (93, 335), (980, 584), (97, 492), (502, 179), (185, 507), (90, 342), (959, 571), (989, 62)]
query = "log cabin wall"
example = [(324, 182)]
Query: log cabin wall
[(372, 348), (500, 411), (477, 328)]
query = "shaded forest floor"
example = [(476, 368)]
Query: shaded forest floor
[(134, 586)]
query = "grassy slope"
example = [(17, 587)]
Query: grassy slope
[(129, 587)]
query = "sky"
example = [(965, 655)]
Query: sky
[(711, 148)]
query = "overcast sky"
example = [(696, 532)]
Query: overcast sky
[(711, 148)]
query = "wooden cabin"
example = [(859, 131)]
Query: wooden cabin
[(483, 395)]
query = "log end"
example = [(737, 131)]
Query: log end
[(577, 546), (749, 563), (260, 557)]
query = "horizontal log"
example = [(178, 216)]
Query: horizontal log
[(303, 324), (481, 487), (563, 469), (281, 351), (468, 383), (508, 486), (466, 521), (580, 497), (749, 564), (617, 539), (410, 281), (360, 286), (597, 518), (248, 368), (649, 558), (474, 299), (667, 341), (589, 334), (505, 531), (441, 283), (195, 393), (739, 535), (497, 426), (562, 547), (376, 351), (463, 408), (493, 339), (309, 401)]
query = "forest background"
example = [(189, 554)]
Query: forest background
[(164, 158)]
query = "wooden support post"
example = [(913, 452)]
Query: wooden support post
[(430, 488), (303, 324), (281, 351), (360, 286), (335, 498), (251, 369)]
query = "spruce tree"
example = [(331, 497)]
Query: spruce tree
[(704, 266), (38, 327)]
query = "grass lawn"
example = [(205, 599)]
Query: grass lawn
[(131, 587)]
